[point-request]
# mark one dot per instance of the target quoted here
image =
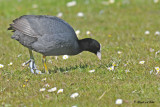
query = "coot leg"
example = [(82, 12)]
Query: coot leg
[(45, 66), (32, 64)]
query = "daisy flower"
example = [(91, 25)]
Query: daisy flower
[(141, 62), (74, 95), (10, 64), (77, 32), (1, 66), (80, 14), (111, 68), (114, 64), (47, 85), (151, 71), (60, 14), (42, 89), (157, 33), (74, 106), (88, 32), (119, 52), (38, 71), (92, 71), (157, 52), (26, 80), (147, 32), (157, 69), (23, 64), (65, 56), (60, 91), (72, 3), (44, 79), (52, 89), (119, 101)]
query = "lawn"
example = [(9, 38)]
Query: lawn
[(126, 30)]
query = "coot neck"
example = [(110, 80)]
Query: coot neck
[(84, 44)]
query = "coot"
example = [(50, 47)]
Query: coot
[(50, 36)]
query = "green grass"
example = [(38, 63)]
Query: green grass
[(126, 23)]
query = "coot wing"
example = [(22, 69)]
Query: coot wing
[(24, 26), (39, 25)]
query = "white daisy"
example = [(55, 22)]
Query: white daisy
[(92, 71), (157, 69), (47, 85), (38, 72), (72, 3), (119, 52), (141, 62), (80, 14), (42, 89), (77, 32), (157, 52), (88, 32), (52, 89), (74, 95), (147, 32), (60, 91), (10, 64), (23, 64), (114, 64), (1, 66), (119, 101), (111, 68), (44, 79), (151, 71), (60, 14), (74, 106), (65, 56), (157, 33)]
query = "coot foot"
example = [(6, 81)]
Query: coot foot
[(32, 65)]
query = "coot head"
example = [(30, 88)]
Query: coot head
[(91, 45)]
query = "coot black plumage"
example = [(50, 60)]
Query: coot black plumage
[(50, 36)]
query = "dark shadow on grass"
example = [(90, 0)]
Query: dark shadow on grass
[(63, 69)]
